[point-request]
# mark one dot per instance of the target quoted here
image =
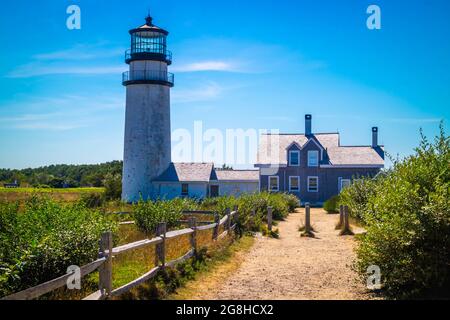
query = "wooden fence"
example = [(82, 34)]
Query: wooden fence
[(104, 263)]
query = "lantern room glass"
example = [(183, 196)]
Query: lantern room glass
[(150, 42)]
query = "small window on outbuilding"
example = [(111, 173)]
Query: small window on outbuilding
[(184, 189)]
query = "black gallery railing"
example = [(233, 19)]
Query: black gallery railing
[(150, 76)]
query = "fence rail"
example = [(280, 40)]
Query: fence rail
[(107, 252)]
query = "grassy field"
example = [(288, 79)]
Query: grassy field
[(68, 195)]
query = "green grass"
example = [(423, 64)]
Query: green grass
[(51, 190), (60, 195)]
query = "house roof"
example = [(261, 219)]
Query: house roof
[(272, 150), (355, 156), (204, 172), (237, 175), (188, 172)]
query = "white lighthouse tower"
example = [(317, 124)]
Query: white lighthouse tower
[(147, 149)]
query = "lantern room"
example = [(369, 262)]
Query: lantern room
[(148, 42)]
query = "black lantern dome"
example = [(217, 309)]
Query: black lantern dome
[(148, 42)]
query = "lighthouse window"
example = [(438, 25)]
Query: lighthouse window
[(147, 42), (184, 189)]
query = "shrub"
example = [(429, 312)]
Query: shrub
[(332, 205), (292, 201), (219, 204), (149, 213), (279, 205), (407, 217), (92, 200), (113, 186), (38, 244)]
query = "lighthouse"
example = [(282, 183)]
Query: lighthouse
[(147, 145)]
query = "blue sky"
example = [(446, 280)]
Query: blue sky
[(238, 64)]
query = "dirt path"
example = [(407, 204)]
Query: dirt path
[(295, 268)]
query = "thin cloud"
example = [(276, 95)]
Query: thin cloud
[(231, 55), (81, 52), (89, 60), (278, 118), (38, 69), (207, 66), (61, 113), (209, 91), (414, 120), (49, 126), (28, 117)]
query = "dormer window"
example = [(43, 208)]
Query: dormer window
[(294, 158), (313, 158)]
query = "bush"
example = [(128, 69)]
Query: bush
[(38, 244), (332, 205), (357, 196), (113, 186), (219, 204), (148, 214), (292, 201), (407, 217), (92, 200)]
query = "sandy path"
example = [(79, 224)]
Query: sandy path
[(296, 268)]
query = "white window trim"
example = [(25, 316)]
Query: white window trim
[(316, 165), (289, 156), (340, 183), (290, 189), (278, 184), (309, 177)]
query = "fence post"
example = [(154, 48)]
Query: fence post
[(105, 270), (216, 228), (341, 217), (269, 218), (252, 218), (160, 256), (193, 226), (307, 218), (228, 214), (346, 230), (237, 228), (308, 229)]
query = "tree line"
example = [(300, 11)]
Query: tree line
[(64, 176)]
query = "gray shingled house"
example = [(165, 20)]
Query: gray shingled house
[(202, 180), (314, 166)]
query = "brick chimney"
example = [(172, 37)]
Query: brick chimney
[(374, 137), (308, 124)]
